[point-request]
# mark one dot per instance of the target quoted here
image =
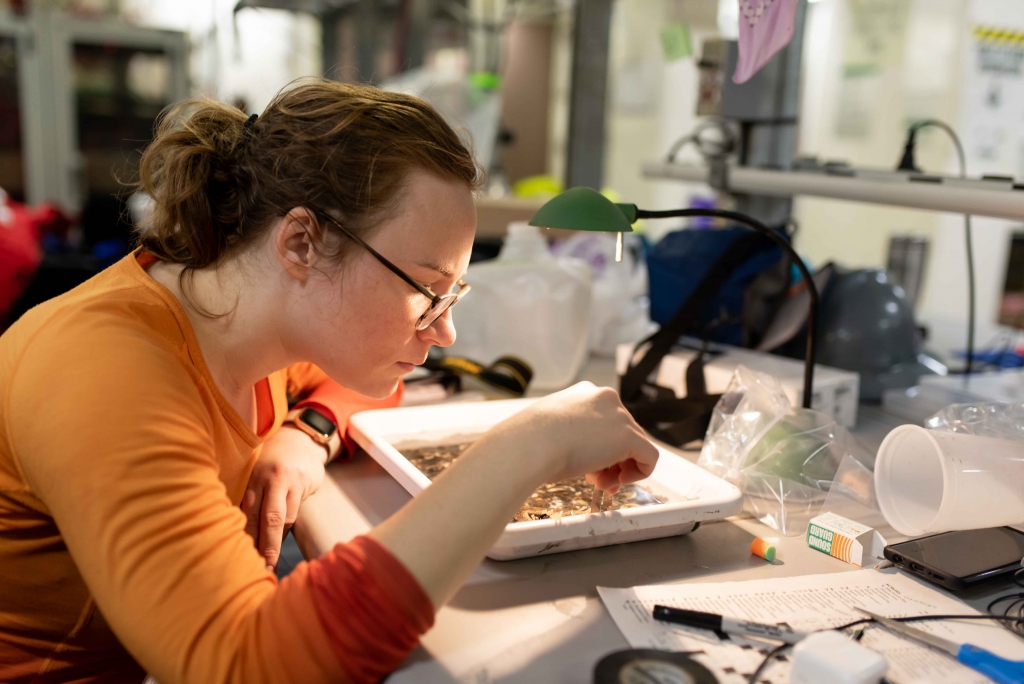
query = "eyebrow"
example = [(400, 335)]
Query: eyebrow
[(443, 270)]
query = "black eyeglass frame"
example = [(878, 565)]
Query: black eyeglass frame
[(435, 299)]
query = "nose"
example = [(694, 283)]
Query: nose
[(440, 333)]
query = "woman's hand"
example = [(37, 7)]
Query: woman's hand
[(290, 468), (585, 429), (444, 531)]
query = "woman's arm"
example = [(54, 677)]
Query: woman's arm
[(443, 533), (291, 465), (118, 442)]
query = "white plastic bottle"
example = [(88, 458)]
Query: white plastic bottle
[(530, 304)]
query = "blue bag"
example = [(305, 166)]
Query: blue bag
[(743, 306)]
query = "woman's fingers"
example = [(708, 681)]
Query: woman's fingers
[(295, 498), (641, 463), (252, 502), (637, 464), (607, 479), (272, 522)]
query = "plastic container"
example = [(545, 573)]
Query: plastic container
[(691, 494), (833, 657), (530, 304), (621, 311), (929, 482)]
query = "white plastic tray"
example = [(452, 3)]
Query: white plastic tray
[(693, 495)]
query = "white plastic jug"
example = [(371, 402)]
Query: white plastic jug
[(929, 481), (530, 304)]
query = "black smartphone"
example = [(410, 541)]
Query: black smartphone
[(957, 560)]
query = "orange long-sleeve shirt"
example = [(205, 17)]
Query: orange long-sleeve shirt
[(122, 546)]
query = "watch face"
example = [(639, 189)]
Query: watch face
[(318, 422)]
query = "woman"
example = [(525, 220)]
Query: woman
[(141, 411)]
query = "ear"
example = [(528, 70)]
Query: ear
[(294, 241)]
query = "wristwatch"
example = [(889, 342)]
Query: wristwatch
[(319, 427)]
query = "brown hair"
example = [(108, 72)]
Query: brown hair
[(218, 182)]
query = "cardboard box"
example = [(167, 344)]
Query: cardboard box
[(836, 392), (844, 539)]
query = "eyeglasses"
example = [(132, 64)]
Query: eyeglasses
[(438, 303)]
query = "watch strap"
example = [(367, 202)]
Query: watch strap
[(332, 444)]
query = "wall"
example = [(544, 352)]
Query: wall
[(922, 74), (653, 101), (862, 119), (247, 57), (946, 294)]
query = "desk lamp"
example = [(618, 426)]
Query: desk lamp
[(586, 209)]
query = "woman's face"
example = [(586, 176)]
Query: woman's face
[(363, 321)]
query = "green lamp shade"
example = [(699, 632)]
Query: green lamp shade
[(585, 209)]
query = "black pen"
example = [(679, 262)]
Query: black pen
[(718, 623)]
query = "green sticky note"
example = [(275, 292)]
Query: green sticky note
[(485, 80), (675, 41)]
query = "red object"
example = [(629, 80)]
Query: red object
[(21, 229)]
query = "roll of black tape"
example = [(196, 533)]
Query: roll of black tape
[(648, 666)]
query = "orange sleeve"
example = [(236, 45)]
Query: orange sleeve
[(391, 602), (113, 434), (312, 387)]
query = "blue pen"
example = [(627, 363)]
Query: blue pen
[(997, 669)]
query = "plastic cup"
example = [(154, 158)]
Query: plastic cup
[(929, 482)]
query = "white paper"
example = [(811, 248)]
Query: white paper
[(810, 603)]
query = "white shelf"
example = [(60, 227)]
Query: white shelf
[(995, 198)]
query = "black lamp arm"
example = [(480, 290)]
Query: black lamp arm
[(812, 289)]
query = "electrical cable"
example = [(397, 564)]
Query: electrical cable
[(766, 662), (1016, 628), (907, 164), (709, 149), (1014, 604)]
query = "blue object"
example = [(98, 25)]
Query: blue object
[(109, 251), (682, 258), (994, 667), (1004, 357)]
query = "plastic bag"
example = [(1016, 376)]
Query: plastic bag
[(782, 459), (528, 304), (985, 419), (621, 309)]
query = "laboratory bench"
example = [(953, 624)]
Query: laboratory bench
[(540, 619)]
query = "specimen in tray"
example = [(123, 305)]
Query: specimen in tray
[(551, 500)]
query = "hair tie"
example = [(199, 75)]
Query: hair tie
[(249, 122)]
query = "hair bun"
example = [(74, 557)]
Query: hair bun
[(324, 145)]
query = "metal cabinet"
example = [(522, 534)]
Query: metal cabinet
[(78, 99)]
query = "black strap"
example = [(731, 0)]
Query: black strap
[(508, 373), (741, 250), (657, 409), (671, 419)]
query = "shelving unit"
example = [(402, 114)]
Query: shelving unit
[(995, 197)]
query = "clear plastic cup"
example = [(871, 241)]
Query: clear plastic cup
[(929, 482)]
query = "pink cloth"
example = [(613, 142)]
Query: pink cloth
[(766, 26)]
